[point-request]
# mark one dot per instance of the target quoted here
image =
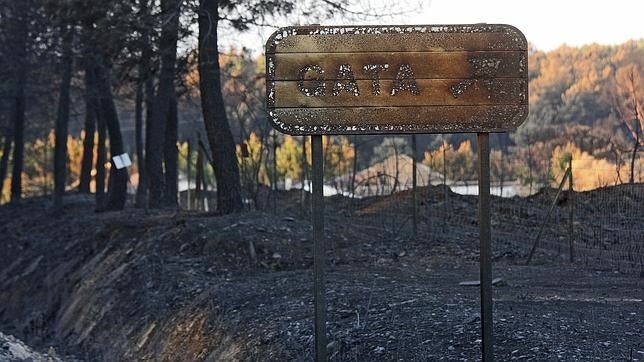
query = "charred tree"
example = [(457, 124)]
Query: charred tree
[(4, 160), (170, 155), (155, 143), (62, 120), (138, 140), (144, 95), (20, 37), (630, 111), (101, 159), (117, 185), (199, 177), (220, 137), (101, 148), (89, 128), (19, 138)]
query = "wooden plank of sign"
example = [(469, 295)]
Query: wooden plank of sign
[(445, 119), (339, 39), (429, 65), (413, 79), (435, 92)]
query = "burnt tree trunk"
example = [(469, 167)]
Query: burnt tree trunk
[(18, 139), (148, 100), (89, 129), (62, 121), (20, 54), (4, 161), (170, 155), (220, 137), (199, 178), (138, 140), (144, 94), (155, 143), (101, 159), (117, 185)]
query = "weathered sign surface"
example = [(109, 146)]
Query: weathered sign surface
[(397, 79)]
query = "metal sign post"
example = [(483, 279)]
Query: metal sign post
[(485, 255), (318, 248), (414, 183), (407, 79)]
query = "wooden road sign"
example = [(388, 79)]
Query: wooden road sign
[(324, 80), (397, 79)]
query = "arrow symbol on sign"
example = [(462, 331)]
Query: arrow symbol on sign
[(483, 68), (461, 87)]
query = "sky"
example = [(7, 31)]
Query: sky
[(547, 24)]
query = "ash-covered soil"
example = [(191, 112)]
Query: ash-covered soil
[(186, 286)]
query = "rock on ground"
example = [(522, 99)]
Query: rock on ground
[(14, 350)]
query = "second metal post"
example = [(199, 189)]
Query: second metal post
[(485, 260)]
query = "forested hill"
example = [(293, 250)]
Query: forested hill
[(583, 94)]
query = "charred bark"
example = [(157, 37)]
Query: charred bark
[(90, 129), (155, 143), (101, 159), (199, 177), (170, 156), (62, 121), (138, 140), (117, 185), (144, 95), (4, 160), (20, 37), (18, 138), (220, 137)]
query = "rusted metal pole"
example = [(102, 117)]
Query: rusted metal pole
[(485, 261), (414, 182), (445, 187), (571, 229), (318, 249), (305, 179), (274, 172)]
